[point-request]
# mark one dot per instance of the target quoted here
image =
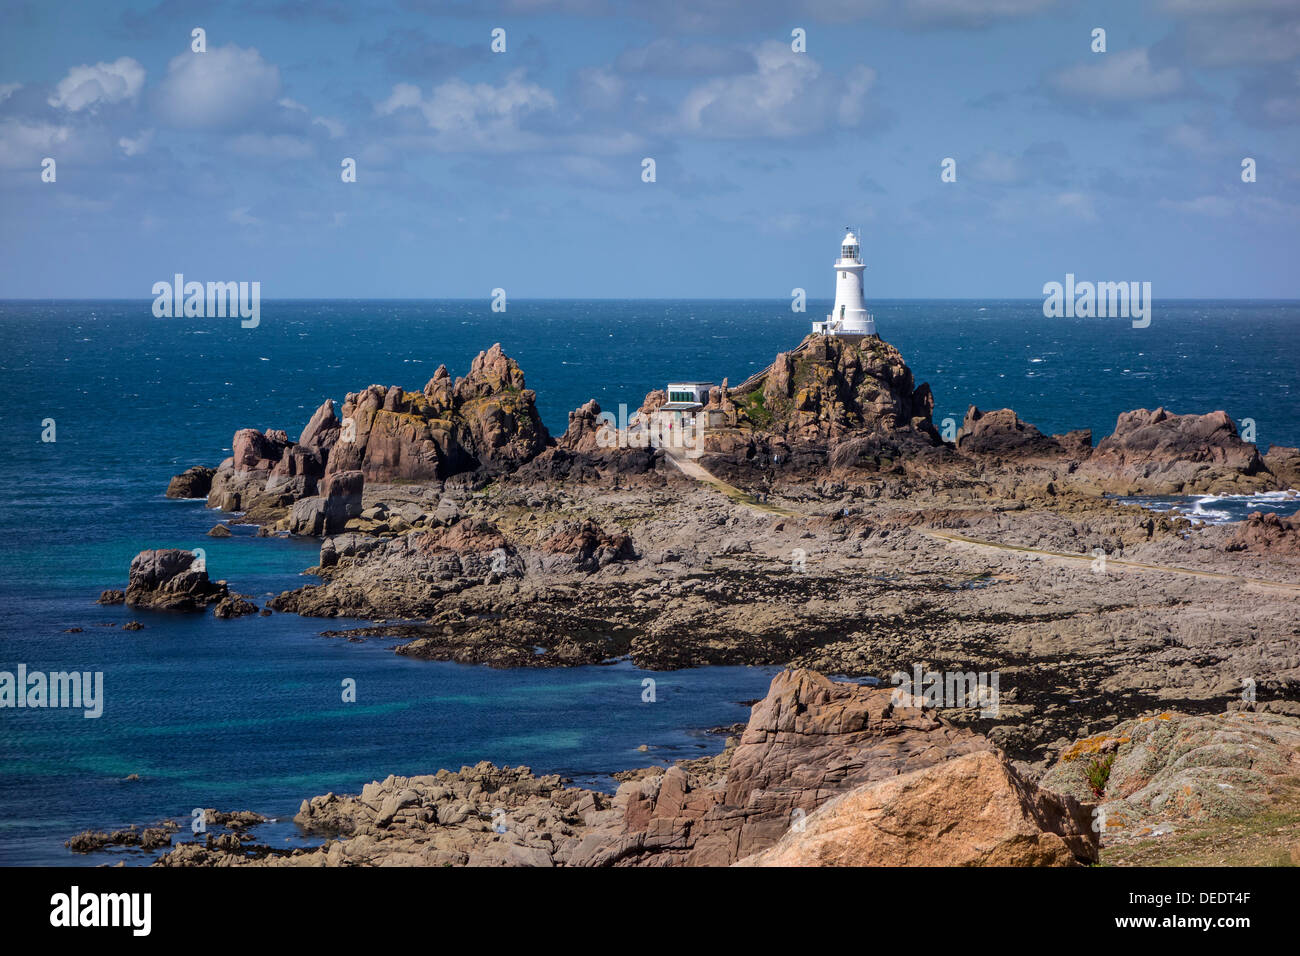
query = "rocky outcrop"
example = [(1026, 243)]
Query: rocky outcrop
[(588, 433), (970, 811), (807, 743), (808, 740), (193, 482), (241, 482), (233, 605), (328, 512), (1158, 453), (1001, 434), (591, 449), (1284, 463), (403, 576), (1172, 771), (485, 420), (170, 580), (1267, 534), (832, 387), (588, 545)]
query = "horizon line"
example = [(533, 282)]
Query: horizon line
[(292, 298)]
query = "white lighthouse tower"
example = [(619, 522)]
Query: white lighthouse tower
[(850, 315)]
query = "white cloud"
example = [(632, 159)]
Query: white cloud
[(134, 147), (1117, 77), (1217, 207), (87, 86), (599, 88), (474, 116), (786, 95), (332, 126), (26, 144), (404, 95), (240, 217), (9, 89), (216, 89), (1078, 204)]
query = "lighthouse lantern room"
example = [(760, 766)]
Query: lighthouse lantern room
[(849, 317)]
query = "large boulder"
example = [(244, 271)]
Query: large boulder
[(974, 810), (1267, 533), (1284, 463), (257, 451), (587, 545), (329, 511), (1159, 453), (173, 580), (193, 482), (1001, 434), (809, 740)]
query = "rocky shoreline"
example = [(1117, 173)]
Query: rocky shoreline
[(838, 532), (823, 773)]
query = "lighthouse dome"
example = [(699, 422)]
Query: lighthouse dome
[(849, 247)]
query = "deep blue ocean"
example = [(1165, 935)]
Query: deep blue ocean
[(247, 713)]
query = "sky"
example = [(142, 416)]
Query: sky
[(526, 169)]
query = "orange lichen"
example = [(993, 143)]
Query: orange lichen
[(1091, 745)]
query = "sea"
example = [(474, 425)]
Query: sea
[(249, 713)]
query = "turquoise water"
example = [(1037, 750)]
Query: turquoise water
[(247, 713)]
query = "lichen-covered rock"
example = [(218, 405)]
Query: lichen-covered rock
[(1178, 770), (487, 419), (830, 387)]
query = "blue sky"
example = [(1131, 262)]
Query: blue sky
[(523, 169)]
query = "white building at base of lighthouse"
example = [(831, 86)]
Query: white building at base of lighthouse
[(849, 317)]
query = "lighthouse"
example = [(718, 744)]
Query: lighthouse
[(850, 315)]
